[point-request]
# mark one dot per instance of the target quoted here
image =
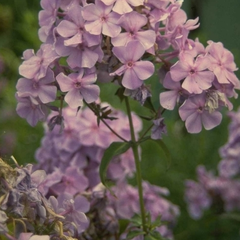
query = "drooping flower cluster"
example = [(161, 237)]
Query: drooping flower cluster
[(71, 158), (25, 208), (222, 190), (86, 42)]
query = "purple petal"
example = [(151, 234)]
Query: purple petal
[(67, 29), (130, 79), (168, 99), (110, 29), (179, 71), (143, 69), (211, 120), (147, 38), (47, 93), (73, 98), (193, 123), (65, 82), (90, 93)]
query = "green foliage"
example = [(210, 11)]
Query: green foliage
[(115, 149)]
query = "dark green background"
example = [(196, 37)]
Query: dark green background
[(220, 21)]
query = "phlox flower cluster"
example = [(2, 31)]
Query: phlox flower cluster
[(222, 190), (71, 159), (87, 42)]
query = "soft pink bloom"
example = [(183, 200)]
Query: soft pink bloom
[(222, 64), (123, 6), (195, 73), (133, 22), (100, 19), (168, 99), (79, 87), (36, 66), (31, 109), (135, 72), (41, 88)]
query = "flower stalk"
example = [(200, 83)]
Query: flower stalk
[(137, 165)]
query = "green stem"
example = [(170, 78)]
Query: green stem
[(144, 134), (138, 167), (106, 124)]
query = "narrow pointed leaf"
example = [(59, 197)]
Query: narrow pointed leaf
[(115, 149), (163, 147)]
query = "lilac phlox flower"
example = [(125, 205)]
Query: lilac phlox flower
[(194, 72), (193, 111), (133, 22), (169, 99), (90, 133), (158, 129), (79, 87), (37, 65), (157, 205), (229, 168), (100, 19), (31, 109), (73, 29), (122, 167), (126, 204), (159, 4), (73, 211), (123, 6), (231, 196), (222, 64), (80, 56), (177, 17), (48, 16), (51, 179), (40, 88), (73, 181), (135, 72), (197, 198)]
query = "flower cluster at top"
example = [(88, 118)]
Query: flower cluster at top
[(85, 42), (68, 199), (218, 191)]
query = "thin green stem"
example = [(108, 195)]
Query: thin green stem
[(106, 124), (137, 164), (144, 134)]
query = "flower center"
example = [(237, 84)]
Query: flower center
[(130, 64), (35, 85), (77, 85), (192, 71), (103, 18)]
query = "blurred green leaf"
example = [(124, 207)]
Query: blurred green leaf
[(115, 149)]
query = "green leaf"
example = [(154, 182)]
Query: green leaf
[(157, 222), (154, 236), (123, 223), (232, 216), (120, 93), (148, 104), (136, 220), (133, 234), (115, 149), (163, 147)]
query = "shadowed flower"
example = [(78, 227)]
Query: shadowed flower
[(193, 111)]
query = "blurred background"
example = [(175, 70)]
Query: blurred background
[(219, 21)]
